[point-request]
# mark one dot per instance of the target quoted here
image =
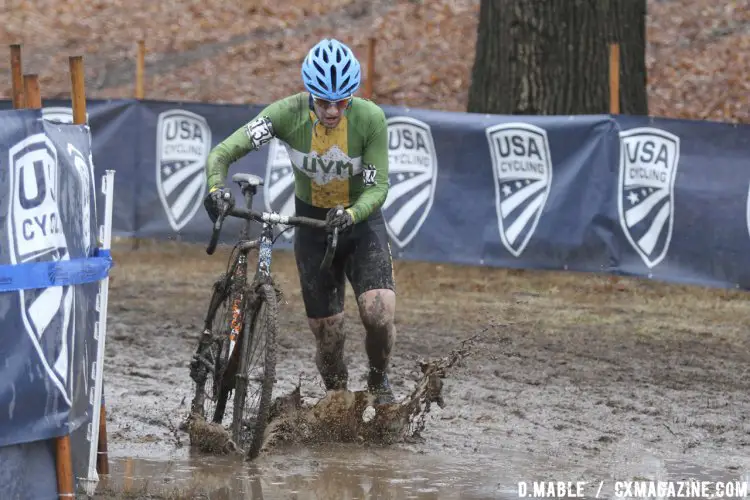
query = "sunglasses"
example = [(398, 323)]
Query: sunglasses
[(341, 104)]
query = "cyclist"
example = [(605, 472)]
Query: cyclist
[(338, 146)]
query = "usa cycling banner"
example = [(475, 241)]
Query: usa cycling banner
[(49, 273), (680, 201), (659, 198)]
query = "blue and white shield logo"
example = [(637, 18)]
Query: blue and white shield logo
[(182, 146), (412, 174), (648, 163), (278, 187), (35, 234), (522, 167)]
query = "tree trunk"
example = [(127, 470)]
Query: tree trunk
[(551, 57)]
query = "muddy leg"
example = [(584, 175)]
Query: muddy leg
[(329, 356), (377, 308)]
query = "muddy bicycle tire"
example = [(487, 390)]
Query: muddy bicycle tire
[(222, 295), (263, 324)]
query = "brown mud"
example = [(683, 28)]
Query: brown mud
[(574, 378), (341, 416)]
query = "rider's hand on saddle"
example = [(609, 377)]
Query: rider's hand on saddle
[(337, 217), (214, 200)]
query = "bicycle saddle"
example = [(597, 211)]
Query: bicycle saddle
[(249, 179)]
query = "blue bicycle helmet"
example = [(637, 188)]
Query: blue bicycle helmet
[(330, 71)]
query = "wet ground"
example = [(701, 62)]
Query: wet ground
[(341, 472), (574, 378)]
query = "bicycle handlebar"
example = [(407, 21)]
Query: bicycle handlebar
[(273, 218)]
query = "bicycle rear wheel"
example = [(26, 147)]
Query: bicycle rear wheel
[(258, 341)]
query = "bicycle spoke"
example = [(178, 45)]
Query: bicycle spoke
[(250, 419), (210, 400), (255, 373)]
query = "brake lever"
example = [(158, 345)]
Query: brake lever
[(217, 228), (333, 240)]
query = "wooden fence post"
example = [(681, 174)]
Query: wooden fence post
[(16, 76), (614, 109), (102, 459), (140, 70), (140, 65), (369, 80), (78, 89), (32, 94), (64, 460), (78, 96), (614, 78)]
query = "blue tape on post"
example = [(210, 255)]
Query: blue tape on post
[(57, 273)]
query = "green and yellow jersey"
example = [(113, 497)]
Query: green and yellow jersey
[(346, 165)]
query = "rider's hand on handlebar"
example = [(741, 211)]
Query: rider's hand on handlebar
[(339, 218), (218, 199)]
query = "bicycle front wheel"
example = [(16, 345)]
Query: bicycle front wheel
[(212, 358), (256, 375)]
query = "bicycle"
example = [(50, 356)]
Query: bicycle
[(225, 350)]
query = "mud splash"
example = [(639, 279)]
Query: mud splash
[(341, 416)]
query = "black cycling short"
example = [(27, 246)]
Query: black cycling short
[(363, 256)]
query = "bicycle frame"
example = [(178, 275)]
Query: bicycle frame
[(263, 268)]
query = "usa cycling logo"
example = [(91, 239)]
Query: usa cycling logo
[(35, 234), (278, 187), (412, 174), (648, 163), (182, 146), (522, 167)]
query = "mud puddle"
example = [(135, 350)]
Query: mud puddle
[(334, 472), (321, 472)]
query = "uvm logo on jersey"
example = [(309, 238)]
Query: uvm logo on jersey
[(648, 163), (182, 146), (35, 234), (278, 188), (412, 173), (522, 165)]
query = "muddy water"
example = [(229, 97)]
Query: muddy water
[(347, 472), (331, 473)]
